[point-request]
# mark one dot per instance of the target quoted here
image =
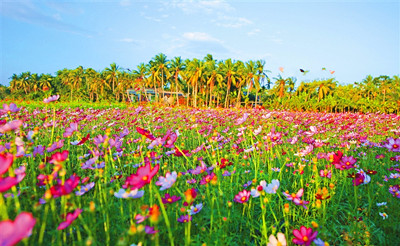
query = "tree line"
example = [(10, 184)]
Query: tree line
[(209, 83)]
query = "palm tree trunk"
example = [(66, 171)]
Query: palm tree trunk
[(176, 86), (238, 98)]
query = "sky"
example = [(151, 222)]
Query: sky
[(352, 38)]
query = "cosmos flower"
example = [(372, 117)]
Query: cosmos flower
[(167, 181), (195, 209), (325, 173), (384, 215), (393, 144), (51, 99), (279, 241), (122, 193), (59, 157), (84, 189), (381, 204), (73, 127), (142, 177), (12, 108), (14, 231), (69, 219), (304, 236), (272, 187), (11, 126), (242, 196), (184, 218), (66, 188), (170, 199)]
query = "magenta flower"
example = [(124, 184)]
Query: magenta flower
[(394, 190), (242, 196), (304, 236), (142, 177), (347, 162), (184, 218), (170, 199), (6, 183), (14, 231), (56, 145), (66, 188), (51, 99), (149, 230), (59, 157), (69, 219)]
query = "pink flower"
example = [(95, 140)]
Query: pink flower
[(12, 108), (242, 196), (304, 236), (51, 99), (73, 127), (6, 183), (59, 157), (6, 161), (393, 145), (142, 177), (325, 173), (10, 126), (292, 196), (69, 219), (145, 133), (298, 201), (14, 231)]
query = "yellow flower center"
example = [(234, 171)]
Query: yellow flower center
[(145, 178), (305, 238)]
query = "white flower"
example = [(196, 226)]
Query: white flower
[(384, 215), (381, 204), (132, 194)]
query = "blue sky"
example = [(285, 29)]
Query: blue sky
[(354, 38)]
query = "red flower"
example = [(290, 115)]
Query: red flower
[(59, 157), (145, 133), (69, 219), (84, 140), (337, 157), (142, 177), (181, 153), (304, 236), (66, 188), (14, 231)]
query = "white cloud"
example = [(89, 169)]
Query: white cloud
[(199, 36), (209, 6), (125, 3), (254, 32), (232, 22), (127, 40)]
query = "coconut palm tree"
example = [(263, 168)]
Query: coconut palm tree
[(177, 67), (112, 73), (194, 73), (161, 69), (228, 69)]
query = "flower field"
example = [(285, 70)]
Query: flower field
[(152, 175)]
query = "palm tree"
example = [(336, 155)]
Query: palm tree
[(228, 69), (194, 71), (212, 75), (161, 64), (280, 86), (139, 74), (76, 76), (45, 81), (112, 74), (325, 87), (177, 66)]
